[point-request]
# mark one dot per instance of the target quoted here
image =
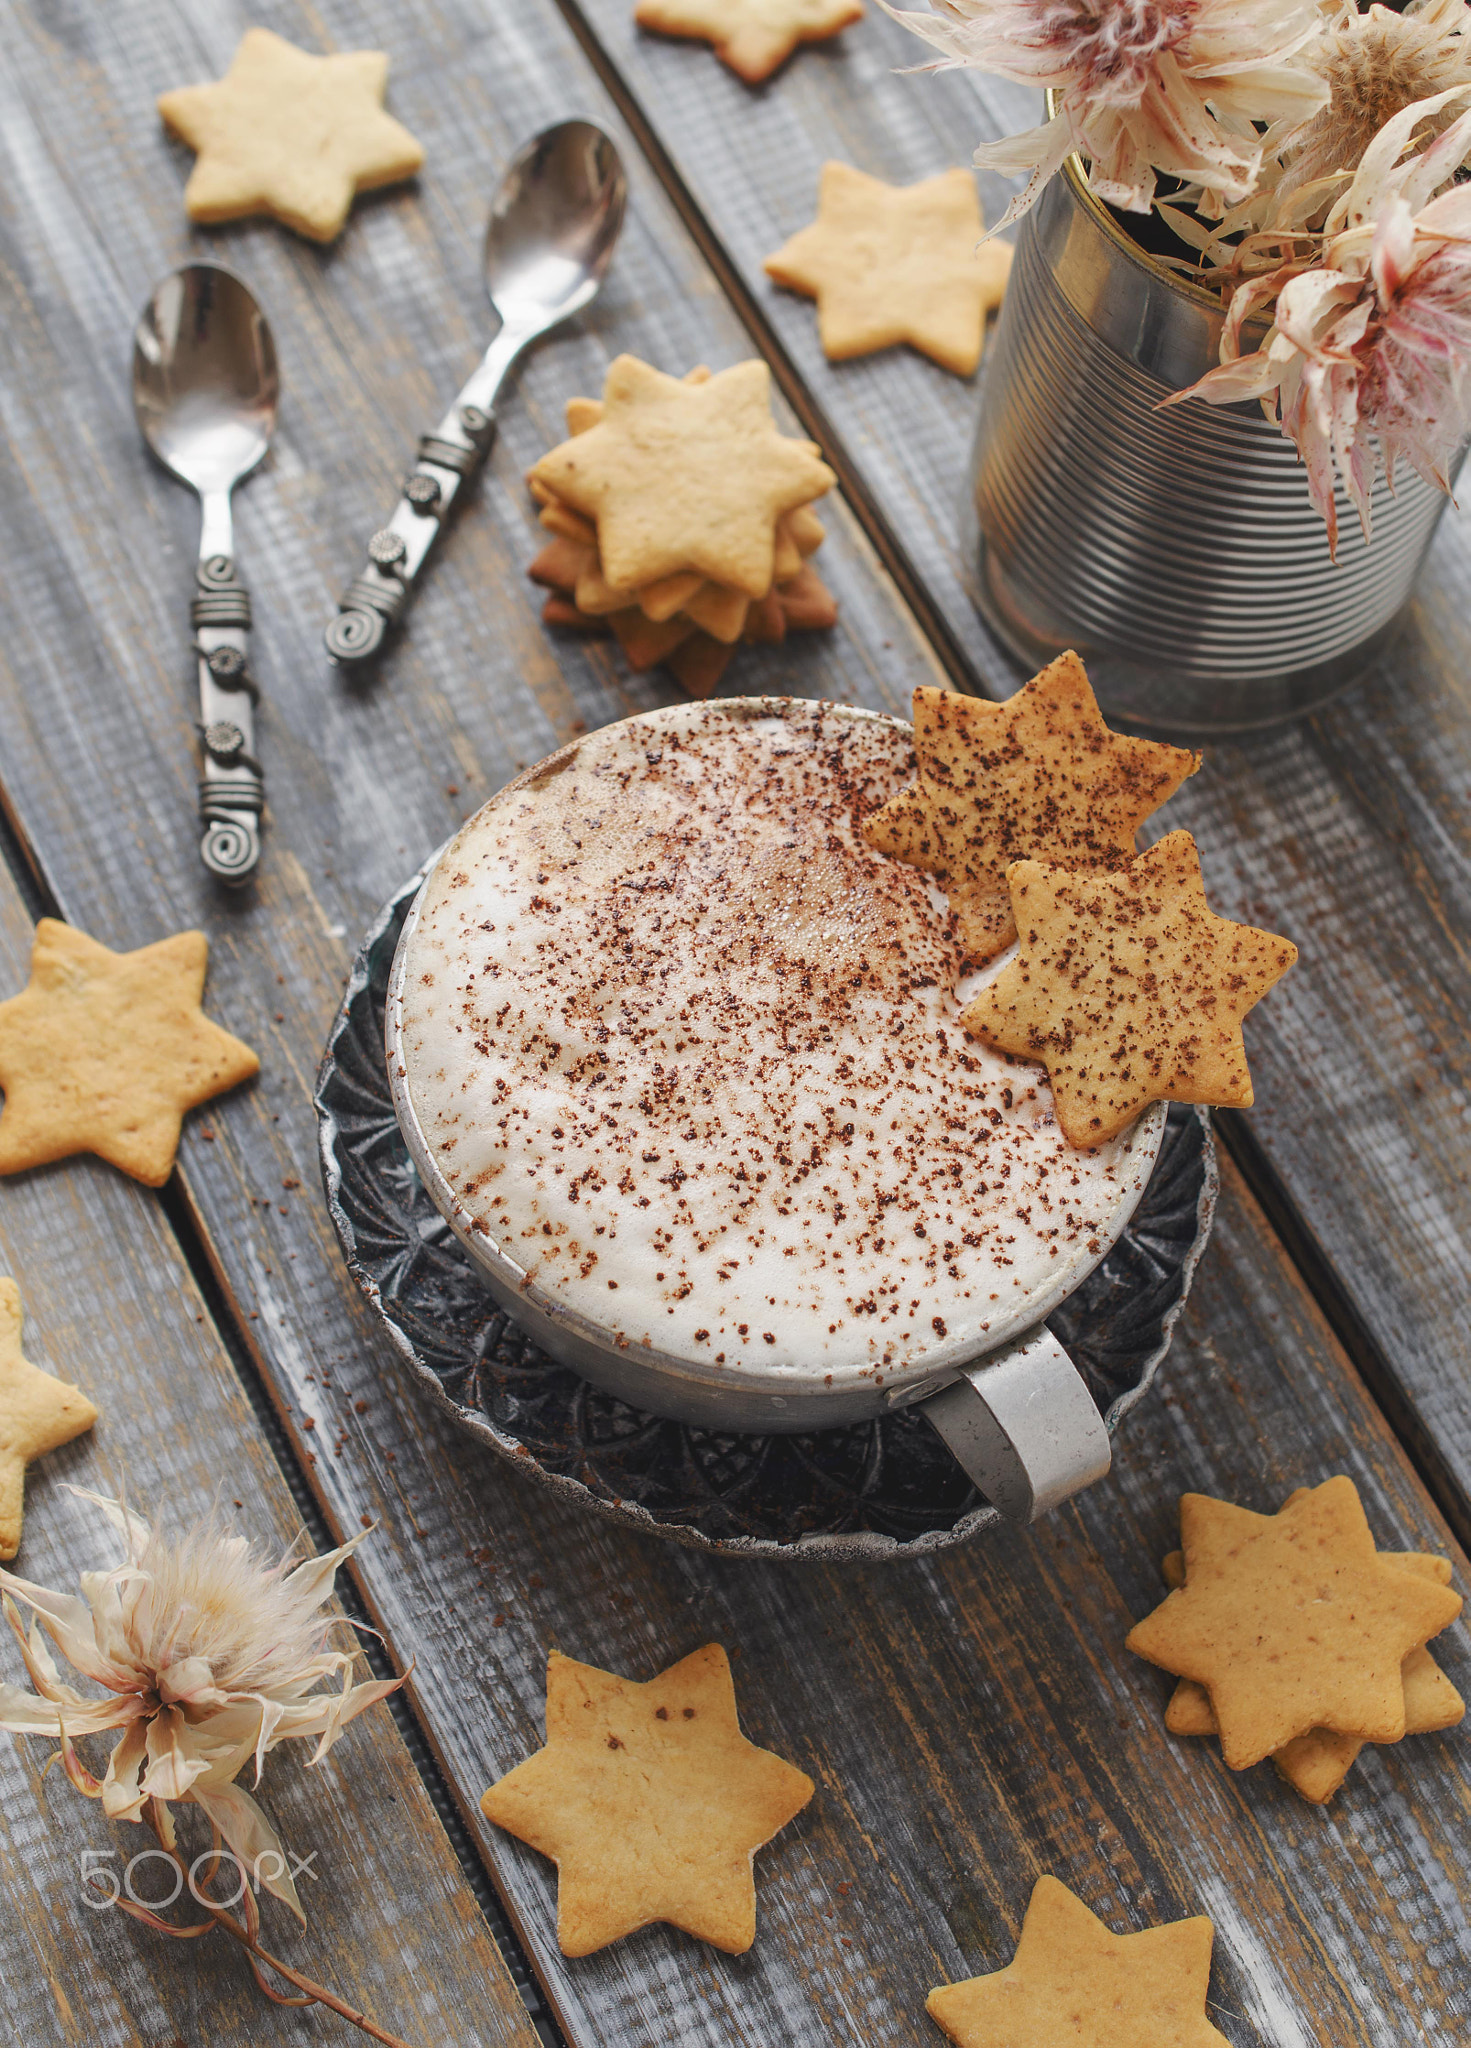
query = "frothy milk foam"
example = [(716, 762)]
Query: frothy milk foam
[(688, 1051)]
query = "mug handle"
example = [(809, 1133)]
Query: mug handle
[(1024, 1426)]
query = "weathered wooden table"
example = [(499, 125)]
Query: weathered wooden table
[(972, 1720)]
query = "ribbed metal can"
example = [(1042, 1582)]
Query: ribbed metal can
[(1177, 551)]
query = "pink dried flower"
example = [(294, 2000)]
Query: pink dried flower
[(1368, 359), (1144, 86)]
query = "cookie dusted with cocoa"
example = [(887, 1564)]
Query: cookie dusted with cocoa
[(1128, 988), (1040, 777)]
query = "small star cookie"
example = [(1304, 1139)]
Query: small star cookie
[(754, 37), (103, 1052), (1317, 1763), (681, 476), (289, 134), (37, 1414), (1128, 988), (650, 1801), (1293, 1621), (1144, 1990), (1040, 777), (894, 263)]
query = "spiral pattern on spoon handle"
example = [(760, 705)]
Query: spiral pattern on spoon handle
[(232, 793), (376, 599)]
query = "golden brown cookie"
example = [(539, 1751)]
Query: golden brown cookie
[(808, 606), (1293, 1621), (897, 263), (290, 134), (806, 529), (1317, 1763), (681, 476), (561, 611), (103, 1052), (698, 665), (1144, 1990), (754, 37), (561, 520), (650, 1801), (1128, 988), (719, 612), (670, 594), (648, 642), (561, 563), (1040, 777), (37, 1414)]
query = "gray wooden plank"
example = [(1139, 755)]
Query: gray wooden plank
[(969, 1721), (393, 1925), (1348, 831)]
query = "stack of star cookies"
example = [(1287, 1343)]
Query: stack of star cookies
[(1293, 1637), (681, 520), (1126, 986)]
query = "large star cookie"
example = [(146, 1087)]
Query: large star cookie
[(1293, 1621), (1317, 1763), (1144, 1990), (37, 1414), (753, 37), (650, 1801), (1040, 777), (290, 134), (103, 1052), (888, 264), (682, 476), (1128, 988)]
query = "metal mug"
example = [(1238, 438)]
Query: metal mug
[(1005, 1396), (1179, 551)]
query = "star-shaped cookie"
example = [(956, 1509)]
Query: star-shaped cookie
[(1293, 1621), (37, 1414), (754, 37), (1040, 777), (1317, 1763), (1144, 1990), (103, 1052), (1128, 988), (894, 263), (682, 476), (289, 134), (650, 1801)]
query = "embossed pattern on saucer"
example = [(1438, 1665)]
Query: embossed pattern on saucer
[(876, 1489)]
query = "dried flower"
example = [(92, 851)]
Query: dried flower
[(1144, 86), (209, 1657), (1368, 359), (1375, 65)]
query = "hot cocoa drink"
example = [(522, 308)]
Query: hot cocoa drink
[(687, 1051)]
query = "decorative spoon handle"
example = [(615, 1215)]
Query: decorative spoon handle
[(232, 792), (449, 460)]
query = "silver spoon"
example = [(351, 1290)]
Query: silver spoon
[(204, 391), (553, 224)]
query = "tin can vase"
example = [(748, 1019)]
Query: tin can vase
[(1179, 551)]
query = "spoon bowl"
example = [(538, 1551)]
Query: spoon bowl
[(553, 224), (205, 383)]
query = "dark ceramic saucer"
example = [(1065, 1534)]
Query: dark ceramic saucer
[(875, 1489)]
